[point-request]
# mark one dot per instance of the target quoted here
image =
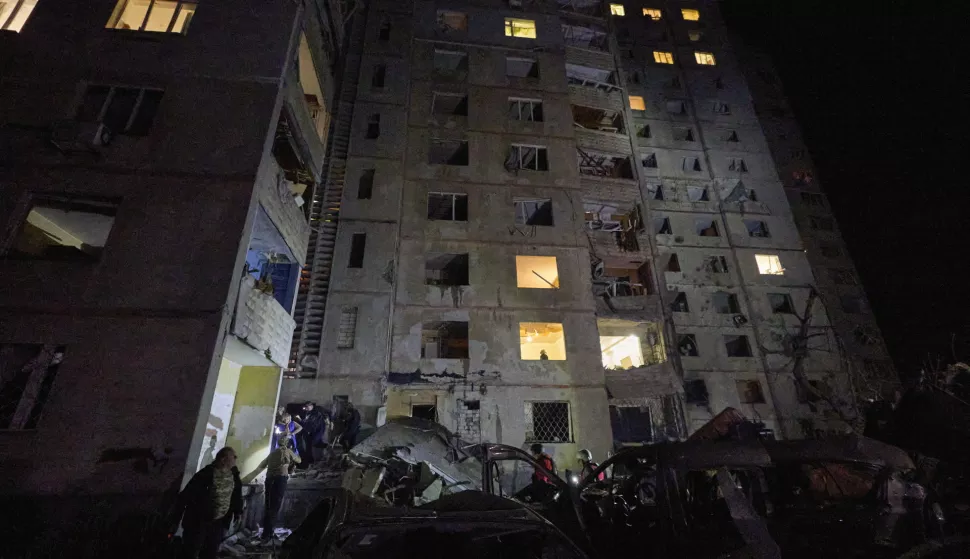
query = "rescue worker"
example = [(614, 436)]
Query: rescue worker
[(313, 439), (279, 465), (545, 461), (351, 426), (210, 501), (587, 466)]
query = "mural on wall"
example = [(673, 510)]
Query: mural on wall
[(27, 372)]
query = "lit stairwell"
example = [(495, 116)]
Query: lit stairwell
[(311, 300)]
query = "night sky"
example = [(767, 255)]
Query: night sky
[(876, 87)]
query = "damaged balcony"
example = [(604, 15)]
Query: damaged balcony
[(293, 173), (591, 8), (614, 228), (593, 87), (585, 35), (598, 128), (307, 118), (267, 290), (625, 286), (603, 165)]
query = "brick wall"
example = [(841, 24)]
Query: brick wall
[(261, 322)]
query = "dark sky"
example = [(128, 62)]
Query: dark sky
[(876, 89)]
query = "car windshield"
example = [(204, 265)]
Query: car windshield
[(466, 540)]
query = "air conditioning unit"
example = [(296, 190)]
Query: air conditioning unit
[(102, 136)]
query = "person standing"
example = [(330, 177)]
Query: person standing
[(316, 422), (210, 502), (587, 466), (278, 465), (545, 461), (351, 427), (285, 428)]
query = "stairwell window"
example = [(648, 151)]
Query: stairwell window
[(704, 58), (690, 15), (523, 28), (121, 110), (347, 328), (446, 206), (158, 16), (527, 157), (373, 126), (662, 57), (14, 14), (527, 110), (358, 243), (365, 186), (653, 13)]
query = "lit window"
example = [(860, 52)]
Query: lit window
[(159, 16), (637, 103), (769, 265), (542, 341), (621, 352), (13, 14), (617, 10), (652, 13), (536, 272), (690, 15), (64, 228), (524, 28), (704, 58), (452, 21), (661, 57)]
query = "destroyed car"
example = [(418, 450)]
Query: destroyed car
[(469, 525)]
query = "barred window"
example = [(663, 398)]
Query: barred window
[(347, 329), (547, 422)]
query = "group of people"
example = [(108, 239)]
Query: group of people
[(311, 432), (584, 457)]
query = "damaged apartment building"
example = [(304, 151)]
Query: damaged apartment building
[(157, 162), (556, 222)]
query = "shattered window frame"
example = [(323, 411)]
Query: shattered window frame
[(584, 37), (449, 62), (447, 269), (604, 165), (769, 265), (757, 228), (716, 264), (448, 152), (128, 111), (737, 345), (695, 392), (548, 422), (525, 110), (706, 227), (680, 303), (30, 371), (781, 303), (39, 236), (449, 335), (692, 164), (684, 134), (451, 104), (527, 157), (456, 203), (521, 67), (725, 302), (687, 345), (661, 226), (649, 162), (722, 108), (533, 211)]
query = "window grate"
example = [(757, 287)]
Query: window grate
[(547, 422)]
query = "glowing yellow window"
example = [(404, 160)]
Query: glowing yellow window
[(637, 104), (705, 58), (525, 28), (13, 14), (769, 265), (661, 57), (617, 10), (159, 16), (536, 272), (690, 15), (541, 341), (652, 13)]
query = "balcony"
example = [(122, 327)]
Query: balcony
[(625, 287)]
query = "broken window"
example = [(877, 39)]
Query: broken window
[(536, 272), (725, 303), (159, 16), (604, 165), (28, 375), (821, 223), (756, 228), (378, 74), (695, 35), (450, 63), (652, 13), (72, 228), (842, 277), (533, 212), (643, 130), (721, 108), (373, 126), (769, 264), (738, 166), (347, 328), (526, 157), (631, 424), (608, 216), (446, 269), (588, 76), (684, 135), (704, 58), (679, 304), (719, 84), (661, 226), (542, 341), (716, 264), (650, 162), (812, 199), (662, 57), (584, 36), (516, 67), (357, 245), (673, 264), (781, 303), (690, 15), (706, 227), (625, 345), (449, 104), (119, 110), (676, 107), (448, 152), (635, 76), (658, 191), (444, 340), (695, 392), (687, 345), (617, 10), (384, 31), (445, 206), (522, 28), (365, 186), (527, 110), (749, 391), (852, 304), (865, 335), (829, 250), (637, 103), (425, 411), (603, 120), (698, 194), (452, 21), (732, 136), (547, 422)]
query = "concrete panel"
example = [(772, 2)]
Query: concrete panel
[(253, 415)]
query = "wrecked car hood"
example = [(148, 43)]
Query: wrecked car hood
[(428, 442)]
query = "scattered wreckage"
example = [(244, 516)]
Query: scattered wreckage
[(715, 496)]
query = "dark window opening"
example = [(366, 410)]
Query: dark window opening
[(679, 304), (643, 131), (65, 228), (750, 392), (444, 340), (28, 375), (121, 110), (521, 67), (692, 164), (533, 212), (473, 405), (757, 228), (661, 226), (365, 187), (687, 345), (378, 76), (738, 166), (631, 424), (357, 244), (676, 107), (717, 264), (821, 223), (725, 303), (673, 265), (448, 152), (604, 120), (526, 110), (830, 250), (603, 165), (446, 269), (695, 392), (737, 346), (781, 303), (732, 136), (706, 228), (530, 158), (447, 207), (384, 34), (373, 126), (658, 193), (450, 63), (698, 194), (650, 161), (852, 304), (449, 104), (684, 134), (424, 411)]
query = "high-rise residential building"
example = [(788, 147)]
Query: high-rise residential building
[(562, 222), (154, 160)]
